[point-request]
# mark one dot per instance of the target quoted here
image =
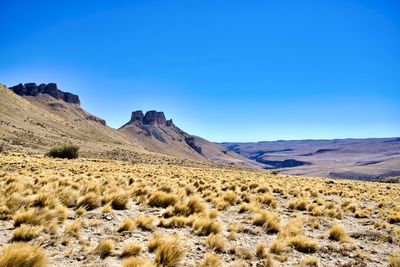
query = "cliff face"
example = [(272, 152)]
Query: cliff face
[(32, 89), (151, 117)]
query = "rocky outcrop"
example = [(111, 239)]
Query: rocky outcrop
[(151, 117), (190, 140), (137, 116), (32, 89), (96, 119)]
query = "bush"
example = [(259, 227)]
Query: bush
[(64, 152)]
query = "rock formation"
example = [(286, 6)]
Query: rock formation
[(31, 89), (96, 119), (151, 117)]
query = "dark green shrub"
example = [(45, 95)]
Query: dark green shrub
[(64, 152)]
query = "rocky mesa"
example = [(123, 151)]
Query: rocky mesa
[(32, 89)]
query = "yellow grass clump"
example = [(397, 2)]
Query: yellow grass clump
[(337, 233), (22, 255), (131, 250), (104, 248), (169, 253)]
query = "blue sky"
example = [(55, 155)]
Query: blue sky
[(223, 70)]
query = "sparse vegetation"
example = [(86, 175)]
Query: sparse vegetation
[(96, 208), (67, 151)]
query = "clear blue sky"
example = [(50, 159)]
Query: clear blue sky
[(223, 70)]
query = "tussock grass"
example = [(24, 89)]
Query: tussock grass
[(210, 260), (136, 262), (268, 220), (25, 233), (310, 261), (298, 204), (394, 260), (145, 222), (261, 250), (22, 255), (337, 233), (131, 250), (278, 246), (156, 240), (216, 242), (174, 222), (205, 227), (119, 201), (104, 248), (303, 244), (127, 225), (89, 202), (169, 253), (162, 199), (73, 228), (34, 216), (269, 200)]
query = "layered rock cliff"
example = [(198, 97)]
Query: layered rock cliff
[(32, 89), (151, 117)]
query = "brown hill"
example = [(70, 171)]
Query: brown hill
[(157, 134), (36, 117)]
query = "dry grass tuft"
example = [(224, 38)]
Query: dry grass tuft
[(127, 225), (131, 250), (205, 227), (155, 242), (25, 233), (337, 233), (268, 220), (90, 201), (394, 260), (298, 204), (22, 255), (34, 216), (119, 201), (162, 200), (104, 248), (136, 262), (210, 260), (216, 242), (278, 247), (309, 262), (260, 250), (169, 253), (145, 222), (303, 244)]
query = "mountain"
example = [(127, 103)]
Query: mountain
[(363, 159), (35, 117), (156, 133)]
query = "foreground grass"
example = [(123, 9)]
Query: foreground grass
[(103, 212)]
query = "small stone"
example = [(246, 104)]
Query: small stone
[(108, 217)]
